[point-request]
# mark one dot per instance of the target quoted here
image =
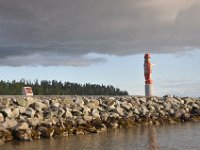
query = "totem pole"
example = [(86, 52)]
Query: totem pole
[(147, 75)]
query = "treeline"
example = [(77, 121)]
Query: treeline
[(47, 87)]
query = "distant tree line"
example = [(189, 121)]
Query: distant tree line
[(47, 87)]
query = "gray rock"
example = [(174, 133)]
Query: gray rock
[(95, 102), (58, 112), (95, 113), (23, 102), (76, 112), (48, 113), (68, 114), (143, 110), (38, 106), (91, 105), (7, 112), (21, 126), (1, 118), (80, 102), (111, 107), (30, 112), (47, 123), (104, 116), (86, 110), (9, 123), (55, 104), (136, 111), (126, 106), (120, 111), (5, 102), (85, 100), (80, 121), (22, 109), (33, 121), (15, 112), (87, 118)]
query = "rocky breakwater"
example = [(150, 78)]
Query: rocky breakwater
[(28, 118)]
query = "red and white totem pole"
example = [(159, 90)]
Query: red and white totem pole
[(147, 75)]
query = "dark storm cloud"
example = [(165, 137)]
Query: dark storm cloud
[(63, 32)]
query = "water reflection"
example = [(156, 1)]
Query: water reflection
[(173, 137), (153, 143)]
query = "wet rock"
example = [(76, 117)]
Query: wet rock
[(24, 135), (5, 135), (46, 132), (1, 118)]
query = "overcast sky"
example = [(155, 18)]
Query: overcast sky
[(77, 34)]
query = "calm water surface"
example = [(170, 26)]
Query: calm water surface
[(169, 137)]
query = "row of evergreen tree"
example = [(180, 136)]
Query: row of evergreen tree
[(47, 87)]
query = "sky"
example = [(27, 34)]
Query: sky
[(103, 42)]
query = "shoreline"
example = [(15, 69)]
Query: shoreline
[(28, 118)]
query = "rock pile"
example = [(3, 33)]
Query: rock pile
[(28, 118)]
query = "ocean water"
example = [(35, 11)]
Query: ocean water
[(167, 137)]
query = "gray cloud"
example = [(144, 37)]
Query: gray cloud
[(68, 30)]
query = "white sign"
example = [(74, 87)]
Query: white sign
[(27, 91)]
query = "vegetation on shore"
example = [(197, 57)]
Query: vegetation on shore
[(47, 87)]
